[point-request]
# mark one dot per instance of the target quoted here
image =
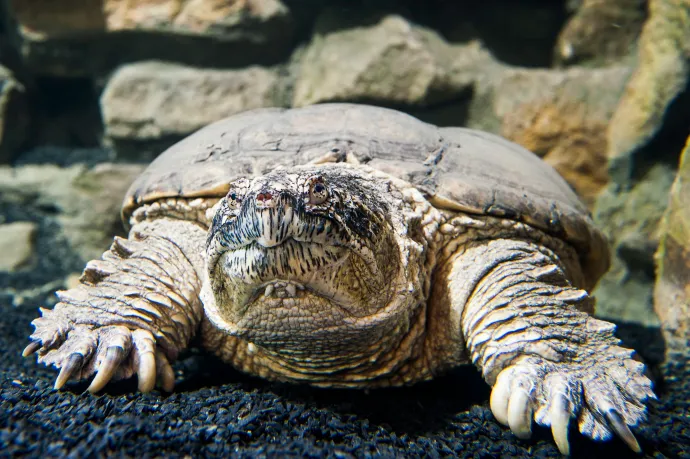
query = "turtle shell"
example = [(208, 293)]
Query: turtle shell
[(456, 168)]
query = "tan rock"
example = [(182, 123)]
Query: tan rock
[(87, 201), (561, 115), (87, 37), (601, 31), (661, 75), (41, 19), (16, 245), (388, 60), (672, 288), (152, 100)]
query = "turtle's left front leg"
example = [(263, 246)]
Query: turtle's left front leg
[(546, 359), (133, 311)]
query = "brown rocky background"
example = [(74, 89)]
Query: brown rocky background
[(91, 90)]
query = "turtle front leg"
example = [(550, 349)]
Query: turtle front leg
[(545, 358), (132, 312)]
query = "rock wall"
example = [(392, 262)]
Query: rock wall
[(91, 90), (672, 290)]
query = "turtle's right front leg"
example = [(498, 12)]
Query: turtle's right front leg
[(547, 360), (132, 312)]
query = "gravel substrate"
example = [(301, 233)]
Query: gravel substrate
[(216, 411)]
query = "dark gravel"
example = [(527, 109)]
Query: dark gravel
[(218, 412)]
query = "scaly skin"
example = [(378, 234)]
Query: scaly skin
[(546, 359), (323, 274), (133, 311)]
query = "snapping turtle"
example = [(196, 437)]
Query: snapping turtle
[(352, 246)]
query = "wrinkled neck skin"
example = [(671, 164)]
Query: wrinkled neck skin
[(320, 267)]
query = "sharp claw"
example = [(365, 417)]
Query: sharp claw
[(560, 418), (623, 431), (499, 402), (31, 348), (73, 365), (113, 357), (166, 373), (147, 372), (520, 414)]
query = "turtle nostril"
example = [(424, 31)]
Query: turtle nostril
[(265, 196)]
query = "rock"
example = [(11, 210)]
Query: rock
[(561, 115), (16, 245), (86, 202), (630, 219), (150, 105), (660, 77), (640, 170), (14, 115), (387, 60), (672, 288), (601, 31), (72, 37)]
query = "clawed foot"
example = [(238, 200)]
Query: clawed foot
[(604, 397), (111, 352)]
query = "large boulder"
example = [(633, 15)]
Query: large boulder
[(385, 59), (561, 115), (148, 106)]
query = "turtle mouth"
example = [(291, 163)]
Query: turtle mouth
[(296, 270), (288, 294), (281, 289), (276, 292)]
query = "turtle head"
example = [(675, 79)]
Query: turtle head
[(308, 258)]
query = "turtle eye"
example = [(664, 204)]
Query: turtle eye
[(236, 193), (318, 192), (234, 199)]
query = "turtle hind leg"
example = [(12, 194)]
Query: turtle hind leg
[(132, 312), (547, 360)]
